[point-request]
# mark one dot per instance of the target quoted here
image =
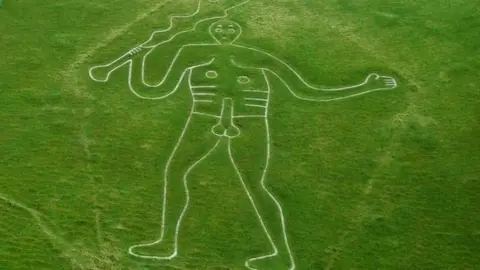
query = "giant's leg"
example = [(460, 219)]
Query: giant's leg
[(250, 155), (195, 144)]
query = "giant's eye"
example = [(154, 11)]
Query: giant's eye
[(231, 31), (218, 30)]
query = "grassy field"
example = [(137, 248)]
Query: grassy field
[(388, 180)]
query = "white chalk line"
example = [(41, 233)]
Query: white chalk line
[(204, 94), (170, 25), (203, 86), (231, 108), (127, 54), (249, 116), (202, 101), (211, 74), (243, 80), (112, 35), (189, 16), (344, 28), (277, 203), (256, 99), (390, 83), (235, 116), (255, 105), (164, 204), (294, 72), (207, 114), (169, 93), (256, 91), (257, 212), (138, 48), (330, 99)]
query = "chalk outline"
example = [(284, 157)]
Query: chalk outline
[(211, 74), (141, 46), (262, 183), (134, 51), (390, 83), (231, 117), (243, 79), (164, 205)]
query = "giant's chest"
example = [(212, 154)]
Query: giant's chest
[(227, 76)]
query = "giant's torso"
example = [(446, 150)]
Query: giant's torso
[(219, 77)]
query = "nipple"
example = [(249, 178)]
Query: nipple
[(225, 126)]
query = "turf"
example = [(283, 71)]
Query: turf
[(387, 180)]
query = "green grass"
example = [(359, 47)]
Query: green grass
[(387, 180)]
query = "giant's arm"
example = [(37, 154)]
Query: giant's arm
[(170, 82), (301, 89), (166, 86), (185, 26)]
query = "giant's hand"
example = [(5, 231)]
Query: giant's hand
[(377, 82), (101, 73)]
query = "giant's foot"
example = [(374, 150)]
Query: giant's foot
[(157, 250), (269, 262)]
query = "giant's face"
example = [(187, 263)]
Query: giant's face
[(225, 32)]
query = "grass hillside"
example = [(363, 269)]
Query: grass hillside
[(387, 180)]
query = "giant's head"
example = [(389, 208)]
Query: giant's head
[(225, 31)]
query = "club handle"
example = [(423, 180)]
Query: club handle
[(101, 73)]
